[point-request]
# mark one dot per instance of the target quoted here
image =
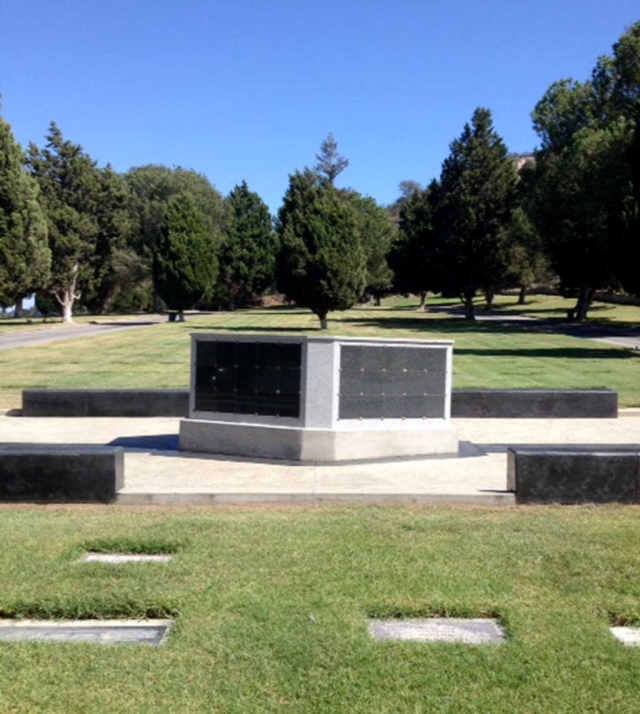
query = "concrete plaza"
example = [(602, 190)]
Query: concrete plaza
[(157, 473)]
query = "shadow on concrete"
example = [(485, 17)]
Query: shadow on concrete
[(167, 445), (159, 442)]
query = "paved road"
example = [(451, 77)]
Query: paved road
[(30, 338)]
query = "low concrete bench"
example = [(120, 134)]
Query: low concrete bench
[(465, 403), (534, 404), (60, 474), (105, 402), (575, 475)]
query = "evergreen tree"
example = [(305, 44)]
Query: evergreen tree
[(586, 204), (527, 262), (330, 163), (378, 235), (477, 191), (413, 258), (25, 259), (322, 265), (151, 189), (185, 261), (69, 191), (248, 253), (114, 226)]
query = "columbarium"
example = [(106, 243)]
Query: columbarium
[(307, 398)]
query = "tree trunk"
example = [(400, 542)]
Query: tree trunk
[(17, 312), (180, 316), (522, 297), (378, 301), (423, 301), (67, 297), (67, 312), (323, 322), (489, 295), (585, 297), (469, 307)]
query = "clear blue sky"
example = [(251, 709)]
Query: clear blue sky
[(247, 89)]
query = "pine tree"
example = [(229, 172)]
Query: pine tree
[(477, 191), (185, 261), (330, 163), (322, 264), (25, 259), (248, 253)]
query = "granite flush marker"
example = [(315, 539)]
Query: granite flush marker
[(479, 631)]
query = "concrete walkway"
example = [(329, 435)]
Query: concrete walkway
[(156, 473), (31, 338)]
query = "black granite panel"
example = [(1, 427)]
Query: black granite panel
[(105, 402), (534, 404), (566, 476), (391, 382), (55, 474), (249, 378)]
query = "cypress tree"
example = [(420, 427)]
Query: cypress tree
[(378, 235), (248, 253), (322, 265), (25, 259), (185, 261), (477, 191)]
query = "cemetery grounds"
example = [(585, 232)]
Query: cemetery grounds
[(271, 605)]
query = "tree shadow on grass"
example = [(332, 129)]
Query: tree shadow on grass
[(447, 325), (249, 329), (555, 352)]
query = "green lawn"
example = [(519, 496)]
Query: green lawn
[(485, 354), (272, 608)]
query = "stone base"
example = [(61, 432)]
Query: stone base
[(45, 473), (430, 438), (589, 475)]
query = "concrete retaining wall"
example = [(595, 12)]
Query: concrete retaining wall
[(574, 475), (54, 474), (534, 404), (465, 403)]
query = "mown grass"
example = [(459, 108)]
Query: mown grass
[(272, 609), (486, 354)]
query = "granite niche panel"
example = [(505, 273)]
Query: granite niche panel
[(392, 383), (248, 378)]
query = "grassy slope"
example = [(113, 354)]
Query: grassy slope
[(272, 608), (485, 354)]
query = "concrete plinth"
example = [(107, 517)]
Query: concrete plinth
[(386, 439)]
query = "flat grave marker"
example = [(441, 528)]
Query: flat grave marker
[(103, 632), (120, 558), (479, 631), (629, 636)]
